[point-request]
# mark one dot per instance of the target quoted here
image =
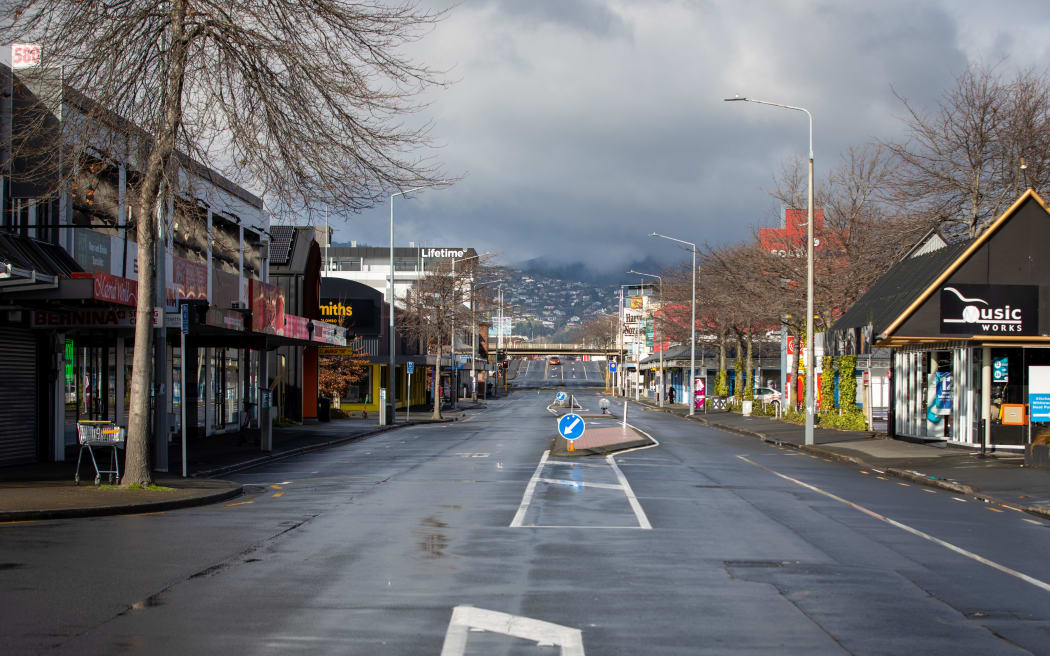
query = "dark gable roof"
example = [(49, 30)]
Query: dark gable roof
[(891, 295)]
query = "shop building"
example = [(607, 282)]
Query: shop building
[(968, 325), (68, 290)]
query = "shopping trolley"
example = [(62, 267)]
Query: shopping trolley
[(100, 434)]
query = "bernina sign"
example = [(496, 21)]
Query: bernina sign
[(990, 309)]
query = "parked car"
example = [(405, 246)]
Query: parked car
[(766, 394), (554, 360)]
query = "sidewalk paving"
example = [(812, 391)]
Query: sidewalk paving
[(1000, 477), (47, 491)]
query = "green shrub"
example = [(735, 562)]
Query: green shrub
[(848, 382), (827, 385), (794, 416), (854, 421), (339, 414), (722, 383)]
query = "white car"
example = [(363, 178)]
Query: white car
[(766, 394)]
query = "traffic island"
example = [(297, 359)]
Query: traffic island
[(604, 435)]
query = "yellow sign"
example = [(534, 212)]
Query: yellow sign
[(336, 310), (636, 302)]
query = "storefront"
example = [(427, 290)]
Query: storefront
[(969, 325)]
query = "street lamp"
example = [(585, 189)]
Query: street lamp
[(810, 346), (692, 334), (660, 392), (388, 410)]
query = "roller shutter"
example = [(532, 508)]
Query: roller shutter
[(18, 397)]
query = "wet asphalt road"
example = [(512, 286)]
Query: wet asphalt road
[(368, 548), (570, 373)]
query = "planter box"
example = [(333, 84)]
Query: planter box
[(1037, 455)]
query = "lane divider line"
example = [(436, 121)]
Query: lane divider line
[(1042, 585), (530, 489)]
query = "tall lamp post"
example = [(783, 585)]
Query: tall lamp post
[(692, 334), (810, 346), (388, 411), (455, 303), (660, 392)]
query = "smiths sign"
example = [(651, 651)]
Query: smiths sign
[(990, 309)]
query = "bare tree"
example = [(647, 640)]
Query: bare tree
[(303, 99), (962, 165), (433, 306)]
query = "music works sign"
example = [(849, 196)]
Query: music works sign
[(990, 310)]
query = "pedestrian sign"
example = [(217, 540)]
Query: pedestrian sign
[(612, 366), (560, 397), (410, 367), (571, 426)]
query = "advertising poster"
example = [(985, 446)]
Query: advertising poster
[(699, 393), (1039, 394)]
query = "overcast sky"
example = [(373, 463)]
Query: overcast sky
[(582, 125)]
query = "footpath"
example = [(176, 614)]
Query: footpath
[(47, 490), (998, 477)]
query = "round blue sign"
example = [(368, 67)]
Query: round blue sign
[(571, 426)]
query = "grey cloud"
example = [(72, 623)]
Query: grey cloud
[(578, 146)]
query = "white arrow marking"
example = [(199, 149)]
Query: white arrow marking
[(568, 429), (466, 618)]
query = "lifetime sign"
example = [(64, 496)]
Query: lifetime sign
[(571, 426), (560, 396), (612, 366)]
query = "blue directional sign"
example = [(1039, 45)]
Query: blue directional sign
[(571, 426), (612, 366), (560, 396)]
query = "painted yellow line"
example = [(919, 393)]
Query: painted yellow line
[(276, 487), (992, 509), (22, 521), (239, 503), (881, 478), (930, 491), (147, 514), (277, 494), (865, 473), (1013, 509), (903, 484)]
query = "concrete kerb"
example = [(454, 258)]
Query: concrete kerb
[(123, 509), (915, 477), (274, 457)]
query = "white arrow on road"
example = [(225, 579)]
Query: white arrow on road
[(544, 634)]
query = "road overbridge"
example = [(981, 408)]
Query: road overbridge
[(533, 348)]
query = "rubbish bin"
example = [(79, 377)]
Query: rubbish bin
[(324, 409)]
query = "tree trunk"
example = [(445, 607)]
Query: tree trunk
[(750, 362), (137, 470), (437, 387)]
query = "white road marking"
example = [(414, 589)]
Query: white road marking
[(565, 481), (544, 634), (643, 521), (904, 527), (530, 489)]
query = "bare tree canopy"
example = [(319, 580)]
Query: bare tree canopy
[(962, 165), (303, 102)]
